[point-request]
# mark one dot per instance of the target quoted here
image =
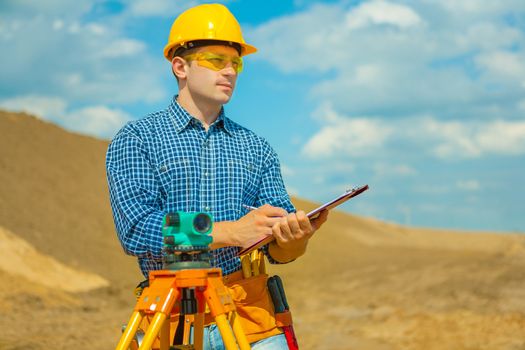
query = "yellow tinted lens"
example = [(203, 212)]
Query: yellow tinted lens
[(237, 64), (215, 61)]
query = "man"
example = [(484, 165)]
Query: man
[(191, 157)]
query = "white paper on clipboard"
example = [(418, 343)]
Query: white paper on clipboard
[(311, 215)]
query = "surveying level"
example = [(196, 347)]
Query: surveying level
[(183, 289), (186, 240)]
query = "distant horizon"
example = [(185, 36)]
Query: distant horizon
[(423, 101)]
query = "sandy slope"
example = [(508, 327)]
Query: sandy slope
[(363, 284), (20, 259)]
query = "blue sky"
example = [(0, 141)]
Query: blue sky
[(422, 100)]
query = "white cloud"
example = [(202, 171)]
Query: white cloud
[(381, 12), (385, 169), (453, 138), (477, 7), (468, 185), (321, 28), (83, 61), (419, 56), (356, 137), (431, 189), (303, 36), (502, 63), (343, 168), (350, 137), (444, 66), (31, 8), (503, 137), (475, 139), (287, 171), (368, 74), (292, 191), (100, 121), (40, 106), (326, 113), (122, 48), (58, 24), (486, 36), (159, 8)]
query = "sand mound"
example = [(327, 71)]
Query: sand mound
[(19, 258), (53, 194)]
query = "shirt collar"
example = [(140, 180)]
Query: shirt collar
[(182, 119)]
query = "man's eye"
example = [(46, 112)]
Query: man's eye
[(216, 60)]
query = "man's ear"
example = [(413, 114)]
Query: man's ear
[(178, 66)]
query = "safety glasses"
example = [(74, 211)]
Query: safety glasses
[(215, 61)]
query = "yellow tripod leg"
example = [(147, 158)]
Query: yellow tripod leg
[(165, 335), (238, 331), (153, 331), (130, 331), (226, 332)]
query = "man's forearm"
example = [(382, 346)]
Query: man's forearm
[(285, 255), (223, 235)]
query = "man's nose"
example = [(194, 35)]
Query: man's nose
[(229, 70)]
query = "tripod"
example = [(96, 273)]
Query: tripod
[(194, 288), (186, 285)]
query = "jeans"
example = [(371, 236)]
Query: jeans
[(213, 341)]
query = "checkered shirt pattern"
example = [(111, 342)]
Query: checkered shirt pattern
[(168, 162)]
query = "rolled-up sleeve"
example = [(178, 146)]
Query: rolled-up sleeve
[(135, 195), (272, 190)]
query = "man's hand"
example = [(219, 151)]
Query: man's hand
[(249, 229), (257, 224), (292, 233)]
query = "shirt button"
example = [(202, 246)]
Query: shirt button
[(206, 208), (206, 174)]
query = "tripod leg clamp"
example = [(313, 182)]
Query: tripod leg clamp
[(140, 287)]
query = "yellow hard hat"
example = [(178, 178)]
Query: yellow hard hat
[(206, 22)]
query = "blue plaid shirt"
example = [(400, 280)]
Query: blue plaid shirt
[(168, 162)]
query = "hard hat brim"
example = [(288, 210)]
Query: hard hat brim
[(246, 49)]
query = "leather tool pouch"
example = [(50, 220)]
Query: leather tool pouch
[(254, 307)]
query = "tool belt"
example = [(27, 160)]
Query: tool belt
[(253, 303)]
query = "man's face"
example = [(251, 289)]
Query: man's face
[(206, 79)]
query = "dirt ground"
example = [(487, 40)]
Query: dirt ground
[(363, 284)]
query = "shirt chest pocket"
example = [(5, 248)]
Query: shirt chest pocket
[(176, 178)]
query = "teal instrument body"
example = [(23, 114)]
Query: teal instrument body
[(186, 239), (187, 231)]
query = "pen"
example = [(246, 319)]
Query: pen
[(250, 208)]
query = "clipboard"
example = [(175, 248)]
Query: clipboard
[(312, 215)]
